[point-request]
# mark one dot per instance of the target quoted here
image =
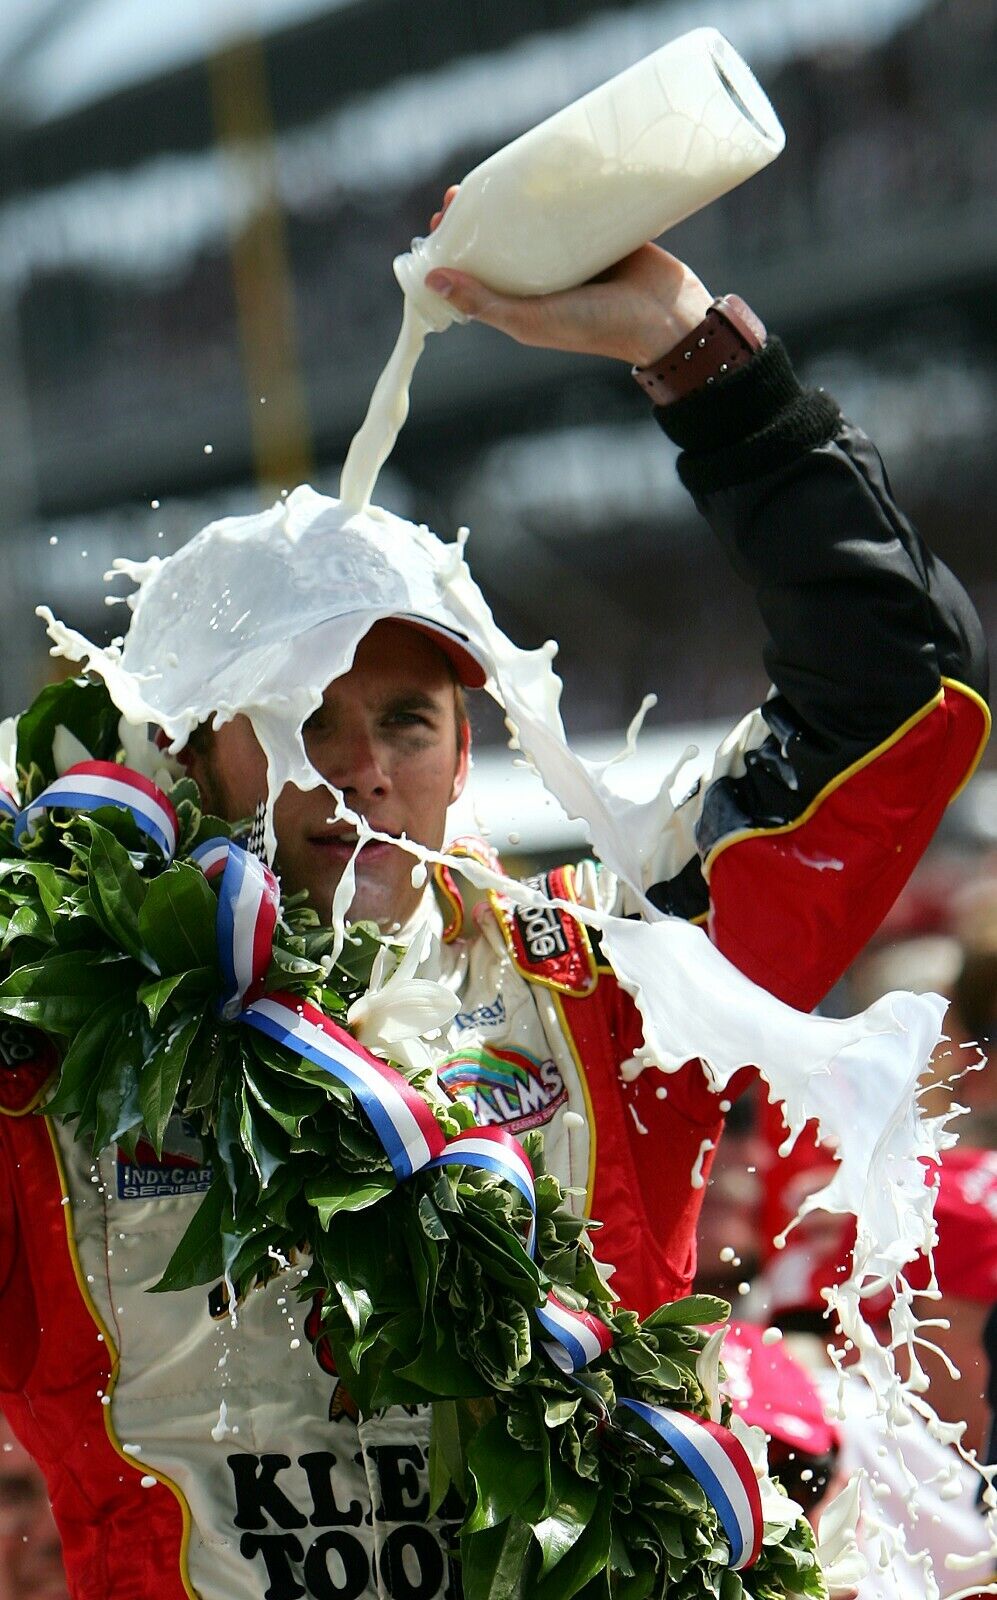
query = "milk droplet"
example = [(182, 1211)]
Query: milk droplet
[(744, 1288), (661, 1093), (419, 875), (637, 1122), (54, 539), (147, 1482), (221, 1427), (727, 1254), (208, 449), (573, 1120), (295, 1344), (154, 504), (696, 1176), (771, 1336), (725, 1106), (514, 838), (132, 1449), (105, 1399)]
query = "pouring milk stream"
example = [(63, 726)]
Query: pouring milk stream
[(574, 195)]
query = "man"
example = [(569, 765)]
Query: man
[(876, 720)]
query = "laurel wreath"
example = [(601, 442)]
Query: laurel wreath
[(427, 1290)]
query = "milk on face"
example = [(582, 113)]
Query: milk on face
[(574, 195)]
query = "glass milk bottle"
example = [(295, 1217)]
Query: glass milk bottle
[(597, 180)]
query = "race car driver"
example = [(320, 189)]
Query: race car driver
[(876, 718)]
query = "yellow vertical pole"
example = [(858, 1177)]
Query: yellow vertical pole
[(264, 293)]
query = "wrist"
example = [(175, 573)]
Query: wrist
[(666, 326), (723, 341)]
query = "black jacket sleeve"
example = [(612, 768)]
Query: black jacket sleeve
[(863, 621)]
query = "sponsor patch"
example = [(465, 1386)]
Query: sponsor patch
[(505, 1088), (489, 1015), (179, 1170), (547, 945)]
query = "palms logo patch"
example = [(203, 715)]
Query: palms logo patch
[(504, 1088)]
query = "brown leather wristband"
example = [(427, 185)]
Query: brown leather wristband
[(726, 339)]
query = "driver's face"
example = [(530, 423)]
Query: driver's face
[(386, 734)]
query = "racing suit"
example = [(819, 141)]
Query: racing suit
[(195, 1449)]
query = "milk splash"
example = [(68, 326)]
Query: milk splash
[(257, 614)]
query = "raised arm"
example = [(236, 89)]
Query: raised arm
[(798, 840)]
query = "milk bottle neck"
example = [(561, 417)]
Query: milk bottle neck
[(410, 269)]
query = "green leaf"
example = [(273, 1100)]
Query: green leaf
[(61, 992), (182, 985), (585, 1558), (177, 920), (117, 892), (160, 1079), (352, 971), (85, 708), (440, 1477), (82, 1061), (264, 1144), (30, 921), (455, 1424), (53, 887), (505, 1475), (287, 1102), (695, 1309), (567, 1510), (117, 1103), (494, 1562), (330, 1194), (199, 1257)]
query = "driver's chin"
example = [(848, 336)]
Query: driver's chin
[(384, 893)]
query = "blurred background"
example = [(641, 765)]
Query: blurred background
[(200, 201)]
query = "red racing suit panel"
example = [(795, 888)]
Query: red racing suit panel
[(792, 906), (55, 1365), (653, 1151)]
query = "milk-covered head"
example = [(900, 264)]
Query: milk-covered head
[(254, 610), (249, 624)]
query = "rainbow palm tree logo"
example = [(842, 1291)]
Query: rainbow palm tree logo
[(507, 1088)]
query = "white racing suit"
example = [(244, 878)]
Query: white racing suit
[(191, 1455)]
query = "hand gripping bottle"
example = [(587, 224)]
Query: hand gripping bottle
[(595, 181)]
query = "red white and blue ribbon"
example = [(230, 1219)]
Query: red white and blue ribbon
[(578, 1336), (248, 907), (91, 784), (494, 1150), (720, 1465), (248, 904), (403, 1121)]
